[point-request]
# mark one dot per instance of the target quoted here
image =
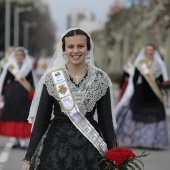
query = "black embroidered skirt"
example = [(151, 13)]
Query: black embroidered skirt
[(63, 147)]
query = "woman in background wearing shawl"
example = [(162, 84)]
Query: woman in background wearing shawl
[(141, 114), (17, 83)]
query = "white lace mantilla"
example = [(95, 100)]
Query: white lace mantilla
[(88, 92)]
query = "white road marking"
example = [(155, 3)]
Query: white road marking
[(5, 152)]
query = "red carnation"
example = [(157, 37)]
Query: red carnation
[(119, 155)]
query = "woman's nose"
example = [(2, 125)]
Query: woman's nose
[(75, 50)]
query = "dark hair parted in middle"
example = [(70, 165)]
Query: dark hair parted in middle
[(151, 46), (73, 33)]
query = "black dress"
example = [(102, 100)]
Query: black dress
[(145, 105), (58, 144), (13, 120)]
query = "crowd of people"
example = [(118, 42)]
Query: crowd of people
[(57, 114)]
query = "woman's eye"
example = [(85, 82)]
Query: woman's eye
[(70, 47), (81, 46)]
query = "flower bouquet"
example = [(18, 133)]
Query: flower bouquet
[(119, 158)]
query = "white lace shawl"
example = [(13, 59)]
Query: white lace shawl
[(89, 91)]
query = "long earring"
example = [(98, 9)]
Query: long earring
[(65, 57)]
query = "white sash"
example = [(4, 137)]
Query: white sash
[(68, 104)]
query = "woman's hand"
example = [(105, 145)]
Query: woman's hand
[(26, 165)]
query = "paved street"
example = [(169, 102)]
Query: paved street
[(10, 159)]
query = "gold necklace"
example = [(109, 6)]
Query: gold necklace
[(78, 74)]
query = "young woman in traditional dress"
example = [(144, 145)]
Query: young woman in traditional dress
[(72, 89), (17, 83)]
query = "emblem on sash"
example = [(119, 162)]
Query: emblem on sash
[(57, 74), (62, 89)]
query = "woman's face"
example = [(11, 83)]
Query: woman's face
[(19, 55), (149, 52), (76, 49)]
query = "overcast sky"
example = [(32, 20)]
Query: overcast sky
[(60, 9)]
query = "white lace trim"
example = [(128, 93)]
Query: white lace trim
[(89, 91)]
